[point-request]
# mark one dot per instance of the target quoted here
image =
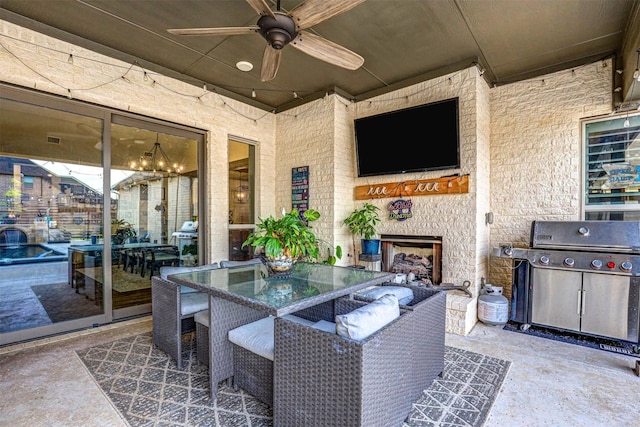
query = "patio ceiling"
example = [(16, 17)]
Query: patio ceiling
[(402, 42)]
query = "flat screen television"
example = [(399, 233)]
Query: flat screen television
[(416, 139)]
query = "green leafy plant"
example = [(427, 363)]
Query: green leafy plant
[(121, 230), (190, 249), (362, 222), (290, 236)]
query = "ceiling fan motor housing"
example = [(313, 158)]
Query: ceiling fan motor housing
[(279, 31)]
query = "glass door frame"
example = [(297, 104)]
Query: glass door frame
[(107, 116)]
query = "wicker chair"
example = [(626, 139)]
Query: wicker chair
[(202, 319), (323, 379), (173, 308)]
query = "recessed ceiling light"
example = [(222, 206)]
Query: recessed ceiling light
[(244, 66)]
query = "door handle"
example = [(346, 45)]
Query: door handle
[(580, 298)]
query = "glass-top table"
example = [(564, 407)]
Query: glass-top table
[(244, 294), (308, 285)]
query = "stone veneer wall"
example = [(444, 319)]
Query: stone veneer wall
[(536, 152), (320, 134), (520, 145)]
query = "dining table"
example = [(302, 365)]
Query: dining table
[(243, 294)]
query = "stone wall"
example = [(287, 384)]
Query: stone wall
[(520, 145)]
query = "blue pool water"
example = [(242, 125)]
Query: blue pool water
[(29, 253)]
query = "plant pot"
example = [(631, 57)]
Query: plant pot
[(277, 266), (370, 247)]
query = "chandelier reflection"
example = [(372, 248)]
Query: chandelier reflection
[(241, 193), (155, 160)]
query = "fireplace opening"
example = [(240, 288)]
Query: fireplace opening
[(417, 255)]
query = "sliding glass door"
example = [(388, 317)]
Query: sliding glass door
[(51, 181), (149, 207), (91, 206)]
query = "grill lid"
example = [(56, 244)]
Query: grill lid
[(610, 236)]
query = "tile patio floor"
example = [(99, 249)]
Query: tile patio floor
[(550, 383)]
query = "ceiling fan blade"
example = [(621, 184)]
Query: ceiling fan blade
[(327, 51), (221, 31), (270, 63), (261, 7), (312, 12)]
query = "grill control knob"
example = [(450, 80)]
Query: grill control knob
[(596, 264), (544, 260), (569, 262), (625, 266)]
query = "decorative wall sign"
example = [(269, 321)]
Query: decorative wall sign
[(621, 175), (300, 189), (416, 187), (400, 209)]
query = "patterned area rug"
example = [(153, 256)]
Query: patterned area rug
[(146, 387)]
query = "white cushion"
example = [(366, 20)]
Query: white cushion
[(366, 320), (258, 336), (202, 317), (193, 302), (325, 325), (166, 271), (255, 336), (227, 264), (297, 319), (404, 294)]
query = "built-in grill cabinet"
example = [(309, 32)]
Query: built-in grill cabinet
[(581, 276)]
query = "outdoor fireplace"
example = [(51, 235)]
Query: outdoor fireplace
[(417, 255)]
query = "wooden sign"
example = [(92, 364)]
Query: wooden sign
[(416, 187)]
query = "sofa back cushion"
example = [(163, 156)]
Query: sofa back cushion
[(404, 294), (364, 321)]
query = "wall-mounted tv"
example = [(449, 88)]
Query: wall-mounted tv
[(415, 139)]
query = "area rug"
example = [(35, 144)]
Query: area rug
[(61, 302), (147, 389)]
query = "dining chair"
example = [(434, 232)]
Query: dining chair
[(202, 318), (173, 307), (153, 259)]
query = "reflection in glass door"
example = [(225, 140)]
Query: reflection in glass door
[(73, 255), (150, 207), (242, 168), (51, 220)]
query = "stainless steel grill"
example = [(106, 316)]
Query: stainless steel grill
[(582, 276)]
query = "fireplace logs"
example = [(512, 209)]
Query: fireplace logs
[(420, 266)]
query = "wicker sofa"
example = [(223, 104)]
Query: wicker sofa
[(323, 379), (431, 305)]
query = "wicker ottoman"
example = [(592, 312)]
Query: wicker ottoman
[(253, 358), (253, 373)]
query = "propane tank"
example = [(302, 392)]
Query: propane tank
[(493, 307)]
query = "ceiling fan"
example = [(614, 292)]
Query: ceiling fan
[(281, 29)]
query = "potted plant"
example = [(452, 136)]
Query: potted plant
[(190, 254), (288, 239), (121, 230), (362, 222)]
